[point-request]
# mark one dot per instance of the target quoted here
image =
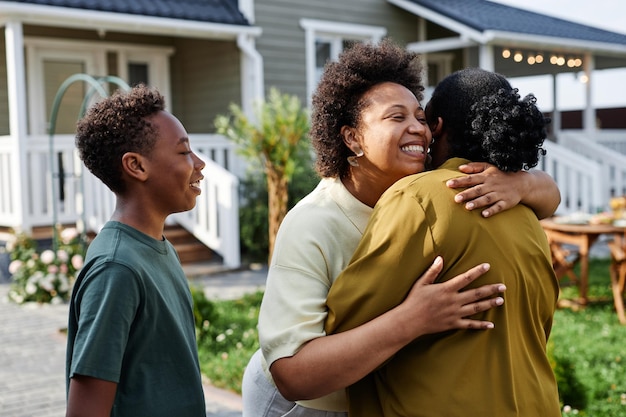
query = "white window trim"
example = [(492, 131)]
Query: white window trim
[(93, 54), (329, 30), (443, 61), (158, 66)]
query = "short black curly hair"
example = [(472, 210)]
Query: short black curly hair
[(486, 120), (337, 100), (116, 125)]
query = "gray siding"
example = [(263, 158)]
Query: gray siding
[(4, 93), (282, 43), (205, 80), (205, 74)]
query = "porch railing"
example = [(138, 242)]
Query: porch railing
[(578, 177), (612, 163), (214, 221)]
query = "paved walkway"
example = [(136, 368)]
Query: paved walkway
[(32, 352)]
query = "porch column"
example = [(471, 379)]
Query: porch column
[(556, 112), (485, 57), (589, 112), (252, 88), (16, 83)]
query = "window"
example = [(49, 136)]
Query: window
[(326, 40), (51, 62)]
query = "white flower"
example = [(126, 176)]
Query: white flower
[(47, 283), (62, 255), (77, 261), (14, 266), (47, 256), (30, 288), (221, 337), (69, 234)]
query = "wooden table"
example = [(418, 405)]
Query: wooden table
[(582, 237)]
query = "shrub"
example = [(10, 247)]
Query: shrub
[(227, 337), (46, 276), (253, 212)]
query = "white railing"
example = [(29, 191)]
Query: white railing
[(8, 204), (611, 138), (613, 164), (83, 198), (579, 179)]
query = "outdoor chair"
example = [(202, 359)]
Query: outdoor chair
[(618, 275)]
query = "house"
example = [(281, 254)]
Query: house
[(206, 54), (201, 55), (451, 34)]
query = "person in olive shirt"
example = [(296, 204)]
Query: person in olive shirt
[(475, 115)]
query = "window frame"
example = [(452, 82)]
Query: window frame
[(334, 33)]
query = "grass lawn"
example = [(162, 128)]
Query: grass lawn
[(588, 345)]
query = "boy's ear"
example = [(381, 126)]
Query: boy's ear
[(133, 164)]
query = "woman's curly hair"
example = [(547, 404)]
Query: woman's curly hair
[(337, 100), (486, 120), (114, 126)]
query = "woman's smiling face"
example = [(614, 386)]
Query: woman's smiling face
[(392, 132)]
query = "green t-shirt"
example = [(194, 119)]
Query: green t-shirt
[(131, 322)]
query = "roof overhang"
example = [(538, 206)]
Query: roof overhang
[(471, 37), (463, 30), (546, 42), (119, 22)]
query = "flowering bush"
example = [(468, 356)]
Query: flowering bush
[(45, 277)]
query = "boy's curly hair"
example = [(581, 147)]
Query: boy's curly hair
[(114, 126), (486, 120), (337, 100)]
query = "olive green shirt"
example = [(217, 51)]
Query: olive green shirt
[(500, 372)]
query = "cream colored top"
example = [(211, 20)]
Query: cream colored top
[(315, 242)]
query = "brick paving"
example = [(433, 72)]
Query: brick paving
[(32, 352)]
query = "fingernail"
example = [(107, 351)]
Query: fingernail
[(462, 166), (502, 288), (485, 213), (437, 260), (469, 206), (489, 326), (499, 301), (458, 198), (486, 267)]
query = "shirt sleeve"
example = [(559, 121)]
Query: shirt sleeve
[(293, 310), (397, 247), (106, 304)]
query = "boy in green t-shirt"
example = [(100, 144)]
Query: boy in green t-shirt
[(131, 337)]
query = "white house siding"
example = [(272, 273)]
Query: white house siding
[(282, 42)]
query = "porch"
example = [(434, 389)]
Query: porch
[(59, 190)]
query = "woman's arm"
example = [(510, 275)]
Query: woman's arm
[(333, 362), (496, 191)]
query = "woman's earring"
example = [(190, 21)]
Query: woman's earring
[(352, 160)]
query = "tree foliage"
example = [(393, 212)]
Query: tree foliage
[(276, 138)]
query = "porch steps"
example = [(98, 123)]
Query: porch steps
[(195, 257), (190, 250)]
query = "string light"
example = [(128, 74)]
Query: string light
[(537, 58)]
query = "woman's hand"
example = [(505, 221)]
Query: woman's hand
[(445, 306), (495, 191)]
